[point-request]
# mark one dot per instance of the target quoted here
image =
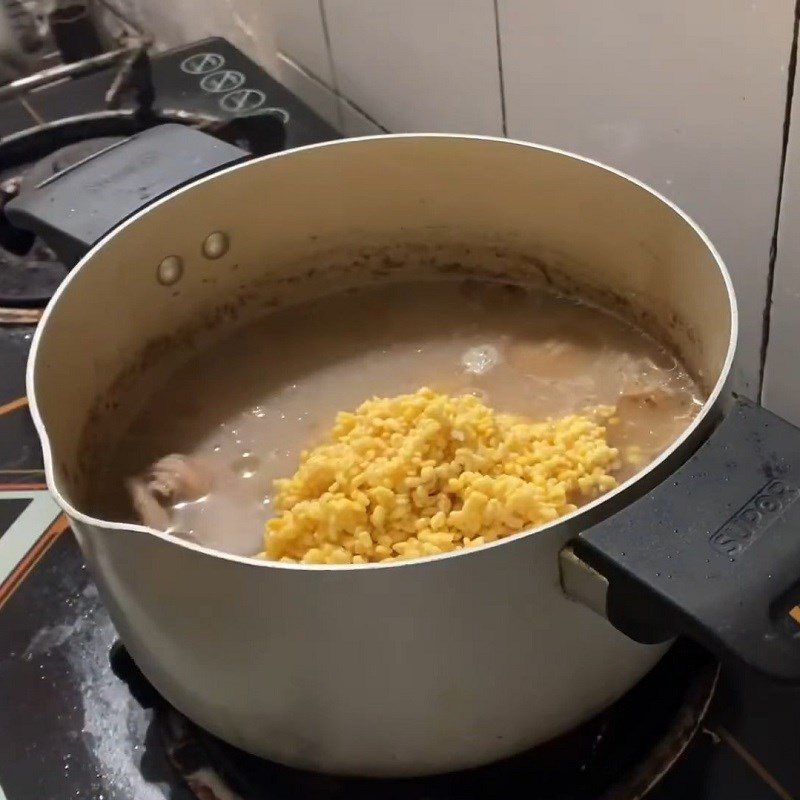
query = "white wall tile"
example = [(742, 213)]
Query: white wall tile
[(313, 93), (300, 35), (782, 368), (418, 65), (688, 96)]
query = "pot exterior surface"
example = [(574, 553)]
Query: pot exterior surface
[(380, 672), (409, 669)]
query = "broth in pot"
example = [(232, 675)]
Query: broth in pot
[(201, 459)]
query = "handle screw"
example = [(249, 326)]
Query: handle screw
[(215, 245), (170, 270)]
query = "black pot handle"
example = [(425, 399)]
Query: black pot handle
[(712, 553), (72, 209)]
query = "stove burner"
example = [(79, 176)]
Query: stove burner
[(619, 755)]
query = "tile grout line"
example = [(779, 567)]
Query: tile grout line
[(766, 321), (340, 98), (331, 65), (305, 71), (335, 80), (363, 113), (745, 755), (501, 76)]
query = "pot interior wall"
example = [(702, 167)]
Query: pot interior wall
[(306, 221)]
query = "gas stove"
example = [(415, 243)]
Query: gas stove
[(77, 718), (213, 88)]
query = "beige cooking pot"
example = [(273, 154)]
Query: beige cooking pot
[(445, 662)]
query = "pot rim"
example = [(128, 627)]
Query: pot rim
[(252, 561)]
